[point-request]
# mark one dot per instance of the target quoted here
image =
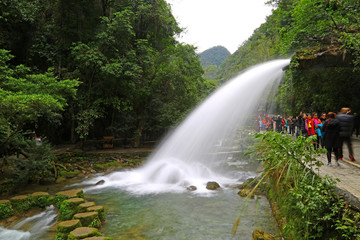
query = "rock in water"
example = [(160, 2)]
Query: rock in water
[(212, 186), (259, 234), (191, 188), (101, 182)]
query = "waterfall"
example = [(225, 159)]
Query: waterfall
[(188, 156)]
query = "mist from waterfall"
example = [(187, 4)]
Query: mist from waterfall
[(190, 154)]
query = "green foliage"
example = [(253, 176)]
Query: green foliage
[(6, 209), (309, 203), (306, 27)]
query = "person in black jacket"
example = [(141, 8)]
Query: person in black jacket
[(331, 130), (356, 124), (346, 127)]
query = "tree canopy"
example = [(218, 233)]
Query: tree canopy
[(325, 36), (135, 80)]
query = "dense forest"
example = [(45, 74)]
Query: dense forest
[(78, 70), (323, 38)]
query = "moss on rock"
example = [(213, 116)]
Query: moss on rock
[(64, 228), (41, 199), (89, 219), (83, 207), (6, 209), (100, 210), (98, 238), (259, 234), (61, 196), (69, 208), (83, 232), (21, 203)]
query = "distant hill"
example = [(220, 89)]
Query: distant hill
[(211, 59), (214, 56)]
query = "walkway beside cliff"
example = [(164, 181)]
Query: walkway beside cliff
[(348, 172)]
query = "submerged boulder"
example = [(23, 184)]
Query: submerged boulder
[(212, 186)]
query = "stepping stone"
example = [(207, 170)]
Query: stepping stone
[(41, 199), (88, 219), (61, 196), (83, 207), (100, 210), (68, 226), (69, 207), (21, 203), (97, 238), (83, 232)]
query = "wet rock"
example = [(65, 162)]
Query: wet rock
[(191, 188), (101, 182), (259, 234), (212, 186), (245, 193)]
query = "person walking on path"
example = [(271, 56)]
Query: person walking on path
[(346, 128), (317, 128), (301, 125), (322, 119), (331, 131)]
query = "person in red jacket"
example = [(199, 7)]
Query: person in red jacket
[(310, 125)]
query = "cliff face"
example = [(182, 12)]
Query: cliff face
[(325, 56)]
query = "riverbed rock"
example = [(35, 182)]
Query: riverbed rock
[(245, 193), (83, 207), (6, 209), (83, 232), (61, 196), (191, 188), (89, 219), (101, 182), (41, 199), (212, 186), (100, 210), (21, 203), (259, 234)]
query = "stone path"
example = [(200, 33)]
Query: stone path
[(348, 172)]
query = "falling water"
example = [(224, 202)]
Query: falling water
[(34, 227), (189, 155)]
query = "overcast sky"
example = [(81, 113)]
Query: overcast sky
[(210, 23)]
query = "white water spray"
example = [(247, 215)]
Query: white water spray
[(32, 227), (189, 156)]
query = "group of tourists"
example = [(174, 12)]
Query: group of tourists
[(332, 130)]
